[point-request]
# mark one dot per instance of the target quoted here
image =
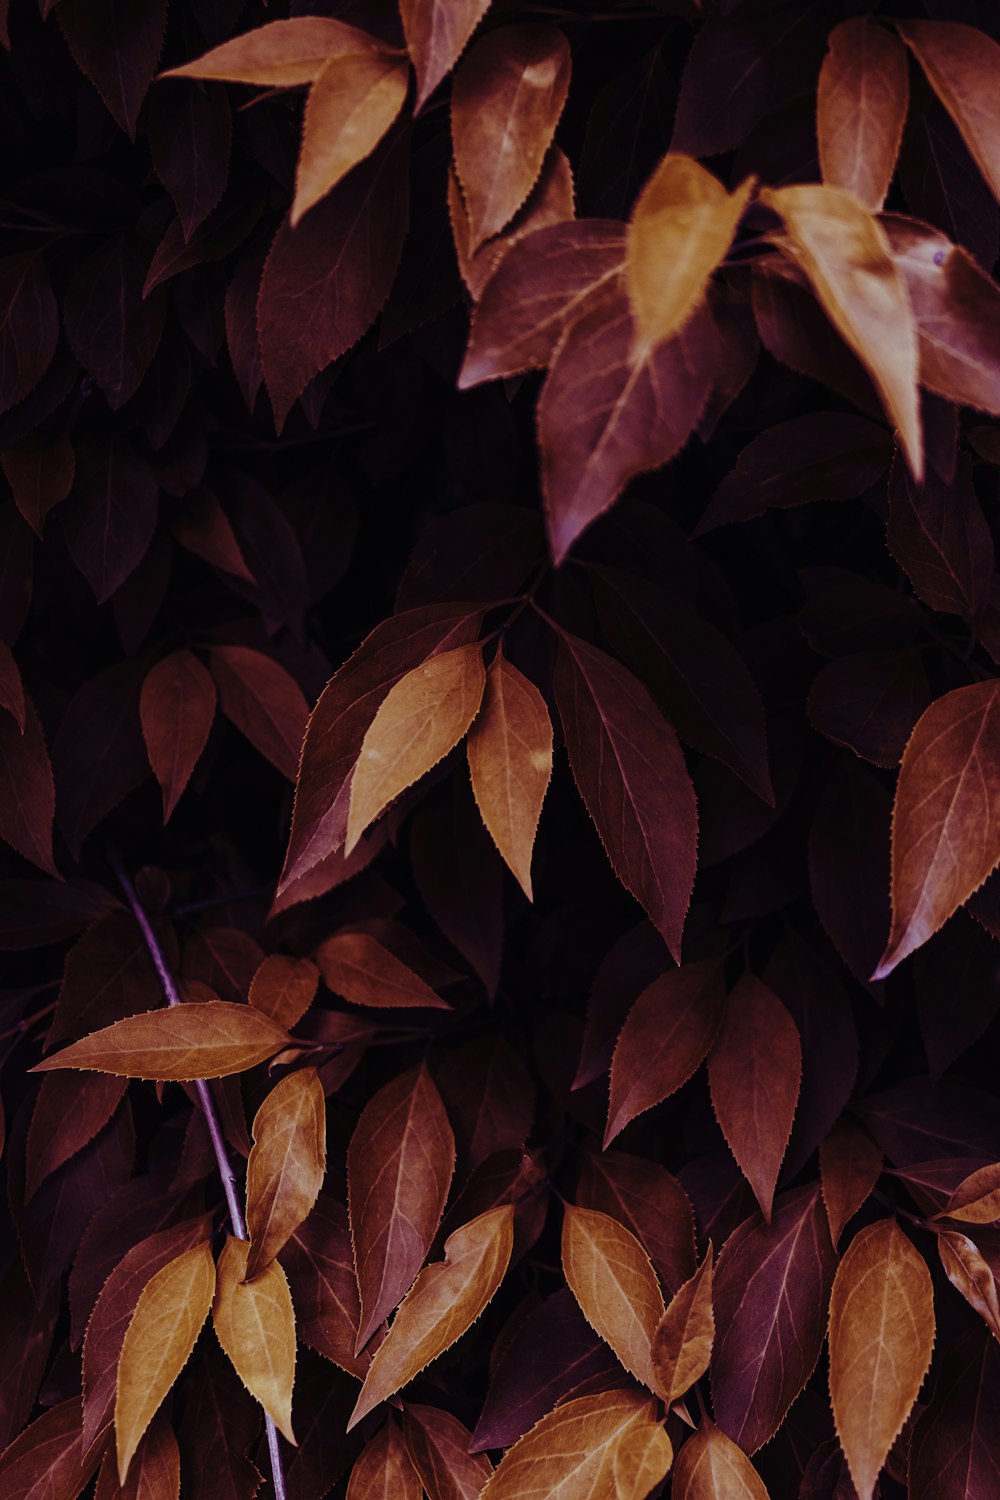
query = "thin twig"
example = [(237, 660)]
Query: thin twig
[(236, 1220)]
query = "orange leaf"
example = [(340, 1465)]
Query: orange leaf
[(976, 1200), (436, 32), (850, 1164), (682, 1343), (969, 1273), (383, 1471), (264, 702), (681, 227), (176, 706), (551, 201), (350, 107), (945, 835), (846, 255), (754, 1071), (506, 101), (155, 1473), (610, 1275), (280, 54), (438, 1445), (881, 1337), (861, 109), (711, 1467), (399, 1166), (207, 1039), (570, 1453), (640, 1459), (284, 988), (48, 1459), (286, 1166), (445, 1300), (359, 967), (255, 1325), (962, 64), (667, 1034), (165, 1326), (510, 761)]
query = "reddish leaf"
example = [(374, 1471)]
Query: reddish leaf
[(155, 1473), (937, 532), (355, 965), (284, 988), (971, 1275), (850, 1164), (123, 74), (220, 1423), (113, 327), (27, 796), (177, 706), (40, 473), (550, 202), (863, 94), (383, 1468), (263, 701), (436, 33), (189, 141), (319, 1263), (870, 701), (207, 1040), (952, 1451), (644, 1197), (66, 1116), (976, 1200), (49, 1458), (848, 855), (111, 517), (29, 327), (438, 1446), (280, 54), (962, 64)]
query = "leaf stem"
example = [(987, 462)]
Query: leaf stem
[(207, 1103)]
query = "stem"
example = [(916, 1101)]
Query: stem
[(211, 1119)]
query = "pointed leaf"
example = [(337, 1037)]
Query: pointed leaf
[(881, 1337), (438, 1445), (962, 64), (445, 1300), (177, 706), (163, 1331), (27, 794), (399, 1167), (754, 1070), (436, 34), (711, 1467), (29, 329), (284, 988), (201, 1040), (938, 533), (68, 1113), (49, 1458), (610, 1275), (976, 1200), (383, 1471), (359, 967), (286, 1166), (263, 701), (319, 1262), (280, 54), (970, 1274), (569, 1454), (122, 73), (40, 473), (643, 1196), (846, 255), (953, 1449), (351, 105), (850, 1164), (255, 1325), (423, 717), (861, 109), (155, 1472), (510, 761), (682, 1343)]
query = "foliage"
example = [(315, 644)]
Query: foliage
[(498, 544)]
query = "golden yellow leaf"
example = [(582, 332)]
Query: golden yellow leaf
[(682, 1343), (711, 1467), (640, 1459), (209, 1039), (383, 1470), (286, 1166), (164, 1328), (350, 107), (610, 1275), (570, 1453), (422, 718), (255, 1325)]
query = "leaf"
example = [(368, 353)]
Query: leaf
[(421, 719), (111, 517), (280, 54), (682, 1343), (438, 1445), (444, 1301), (29, 326), (506, 101), (551, 201), (319, 1262), (351, 104), (937, 532), (569, 1454), (610, 1276), (255, 1325), (210, 1039), (284, 988), (383, 1469), (436, 34), (163, 1330), (345, 709), (49, 1457), (640, 1460), (770, 1291), (861, 109), (359, 967), (970, 1274), (850, 1164), (155, 1472), (754, 1071), (952, 1450), (962, 64), (944, 840), (846, 255), (68, 1113), (976, 1200), (27, 795), (399, 1166), (631, 775), (642, 1195), (190, 139), (881, 1337), (510, 762), (113, 324), (40, 473), (286, 1166), (263, 701), (711, 1467), (666, 1036), (177, 706), (342, 258), (869, 701), (122, 73), (685, 220)]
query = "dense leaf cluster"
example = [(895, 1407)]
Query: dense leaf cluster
[(500, 750)]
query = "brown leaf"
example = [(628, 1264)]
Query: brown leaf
[(202, 1040), (177, 706), (68, 1113), (850, 1164), (436, 33), (361, 969), (666, 1036), (399, 1166), (319, 1263), (423, 717), (263, 701), (976, 1200), (945, 840), (685, 220), (551, 201), (163, 1330), (255, 1325), (846, 255), (642, 1195), (155, 1473), (438, 1445), (610, 1275), (938, 533), (284, 988), (754, 1070), (506, 101), (641, 1458), (962, 64), (510, 762), (444, 1301), (286, 1166), (280, 54), (711, 1467), (969, 1273), (570, 1453), (49, 1458), (351, 105), (682, 1343), (881, 1337), (861, 109), (27, 794), (382, 1470)]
